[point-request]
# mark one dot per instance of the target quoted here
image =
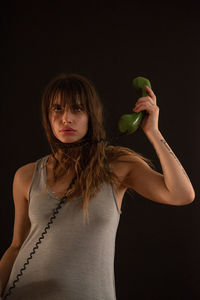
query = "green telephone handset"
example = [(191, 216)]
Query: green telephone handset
[(130, 122)]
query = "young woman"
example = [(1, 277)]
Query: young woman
[(74, 259)]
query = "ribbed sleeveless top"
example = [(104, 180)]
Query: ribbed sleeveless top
[(75, 259)]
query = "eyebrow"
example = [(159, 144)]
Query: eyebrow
[(74, 104), (55, 104)]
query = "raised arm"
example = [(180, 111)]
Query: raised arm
[(171, 187), (21, 184)]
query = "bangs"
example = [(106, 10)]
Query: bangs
[(68, 93)]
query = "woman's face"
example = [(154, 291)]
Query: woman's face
[(68, 124)]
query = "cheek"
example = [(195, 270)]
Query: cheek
[(86, 121), (52, 122)]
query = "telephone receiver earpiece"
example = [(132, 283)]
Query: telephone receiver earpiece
[(129, 123)]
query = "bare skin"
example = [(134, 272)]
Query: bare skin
[(137, 175), (60, 187), (173, 187), (21, 187), (23, 179)]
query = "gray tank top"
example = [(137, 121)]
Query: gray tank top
[(75, 260)]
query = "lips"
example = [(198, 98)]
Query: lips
[(68, 129)]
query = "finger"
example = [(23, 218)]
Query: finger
[(145, 106), (150, 92), (145, 99)]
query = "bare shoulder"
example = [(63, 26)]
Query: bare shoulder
[(123, 160), (122, 166), (23, 177), (21, 184), (25, 172)]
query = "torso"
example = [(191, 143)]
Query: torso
[(60, 187)]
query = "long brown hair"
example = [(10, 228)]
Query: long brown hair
[(89, 161)]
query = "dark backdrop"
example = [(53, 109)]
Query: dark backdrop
[(157, 246)]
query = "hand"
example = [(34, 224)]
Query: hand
[(148, 103)]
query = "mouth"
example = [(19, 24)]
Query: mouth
[(67, 131), (63, 130)]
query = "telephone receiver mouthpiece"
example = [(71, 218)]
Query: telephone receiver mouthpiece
[(130, 122)]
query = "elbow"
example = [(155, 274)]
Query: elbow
[(181, 199), (186, 199), (191, 197)]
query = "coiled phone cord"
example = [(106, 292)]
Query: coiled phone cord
[(56, 211), (88, 141), (51, 220)]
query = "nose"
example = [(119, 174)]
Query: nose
[(67, 116)]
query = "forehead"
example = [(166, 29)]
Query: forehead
[(64, 99), (65, 102)]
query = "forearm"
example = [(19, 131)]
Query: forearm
[(175, 177), (6, 265)]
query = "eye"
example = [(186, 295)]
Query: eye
[(57, 108), (78, 108)]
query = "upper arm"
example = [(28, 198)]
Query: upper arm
[(21, 183), (148, 183)]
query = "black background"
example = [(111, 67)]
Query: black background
[(157, 246)]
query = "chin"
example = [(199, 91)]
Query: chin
[(69, 140)]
